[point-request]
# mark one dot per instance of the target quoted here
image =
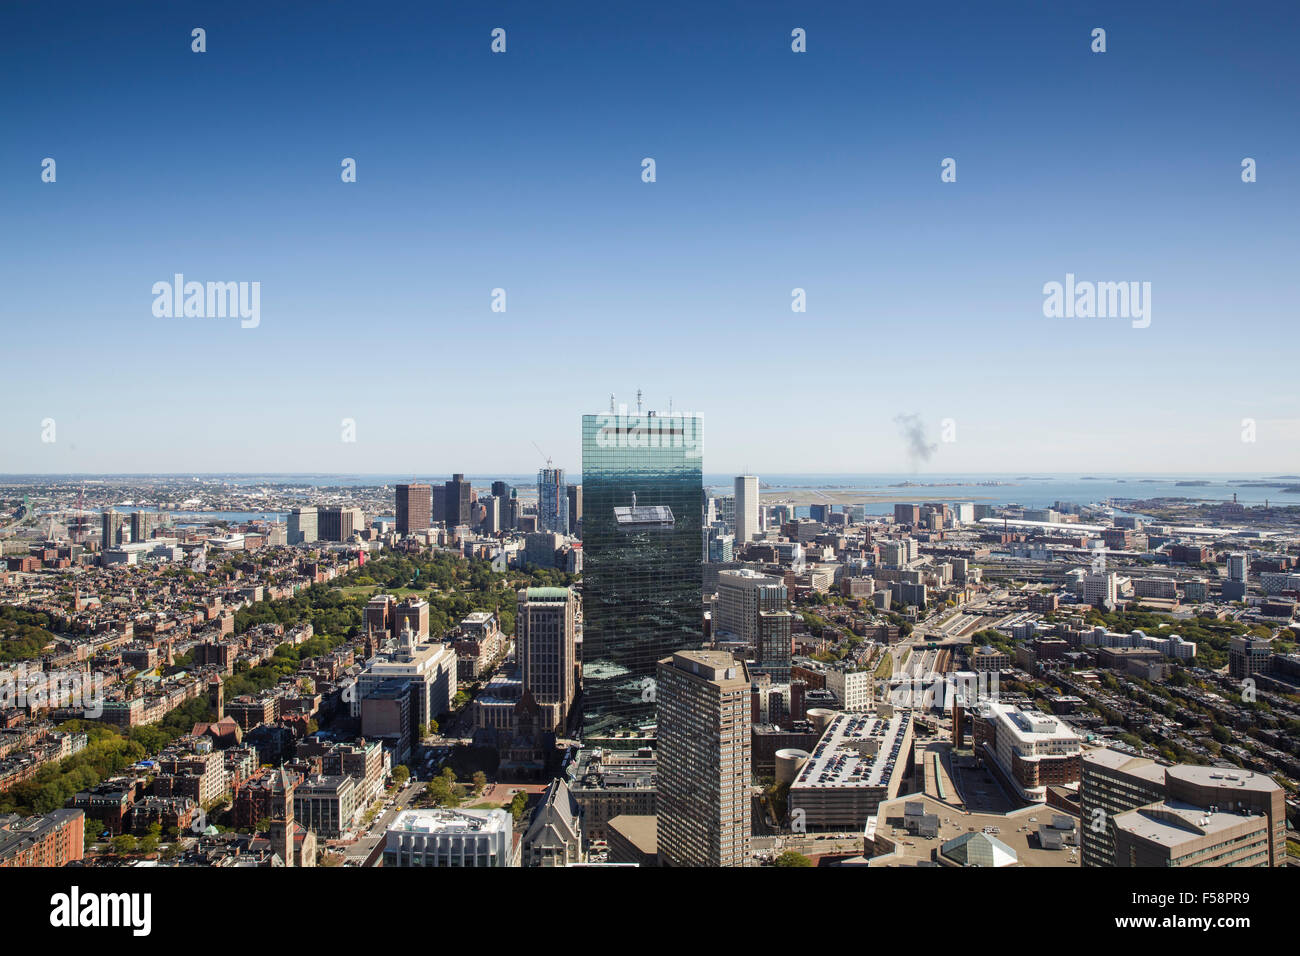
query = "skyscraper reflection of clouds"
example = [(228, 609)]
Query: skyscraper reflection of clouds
[(643, 501)]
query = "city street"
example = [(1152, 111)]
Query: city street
[(359, 852)]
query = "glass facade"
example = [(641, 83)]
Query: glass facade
[(552, 501), (643, 546)]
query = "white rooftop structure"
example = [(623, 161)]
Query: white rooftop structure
[(1026, 737), (451, 838), (449, 821)]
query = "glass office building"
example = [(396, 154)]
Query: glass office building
[(552, 501), (643, 544)]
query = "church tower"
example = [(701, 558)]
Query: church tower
[(282, 825)]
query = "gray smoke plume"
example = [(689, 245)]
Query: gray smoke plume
[(918, 449)]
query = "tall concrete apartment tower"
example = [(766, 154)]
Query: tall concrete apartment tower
[(509, 504), (414, 508), (746, 508), (491, 522), (552, 501), (643, 547), (753, 607), (110, 534), (143, 524), (1234, 589), (703, 705), (545, 635)]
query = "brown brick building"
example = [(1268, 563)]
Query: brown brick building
[(56, 839)]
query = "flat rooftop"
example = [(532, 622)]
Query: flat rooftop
[(1222, 777), (448, 821), (1019, 830), (641, 831), (1029, 726), (1171, 823), (612, 770), (717, 666), (857, 750), (1117, 760)]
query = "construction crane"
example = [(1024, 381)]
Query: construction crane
[(543, 454)]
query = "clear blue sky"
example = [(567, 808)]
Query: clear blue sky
[(523, 171)]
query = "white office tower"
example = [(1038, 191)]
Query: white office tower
[(1101, 589), (746, 508)]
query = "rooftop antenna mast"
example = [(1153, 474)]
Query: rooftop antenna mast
[(611, 403), (638, 401)]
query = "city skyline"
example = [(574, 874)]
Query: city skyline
[(356, 511)]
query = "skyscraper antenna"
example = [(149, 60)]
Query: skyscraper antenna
[(611, 403), (638, 401)]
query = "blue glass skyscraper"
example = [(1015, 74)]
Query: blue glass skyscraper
[(642, 542), (552, 501)]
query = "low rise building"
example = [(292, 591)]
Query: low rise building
[(860, 761), (451, 838), (1030, 750), (610, 783), (854, 689), (327, 805)]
